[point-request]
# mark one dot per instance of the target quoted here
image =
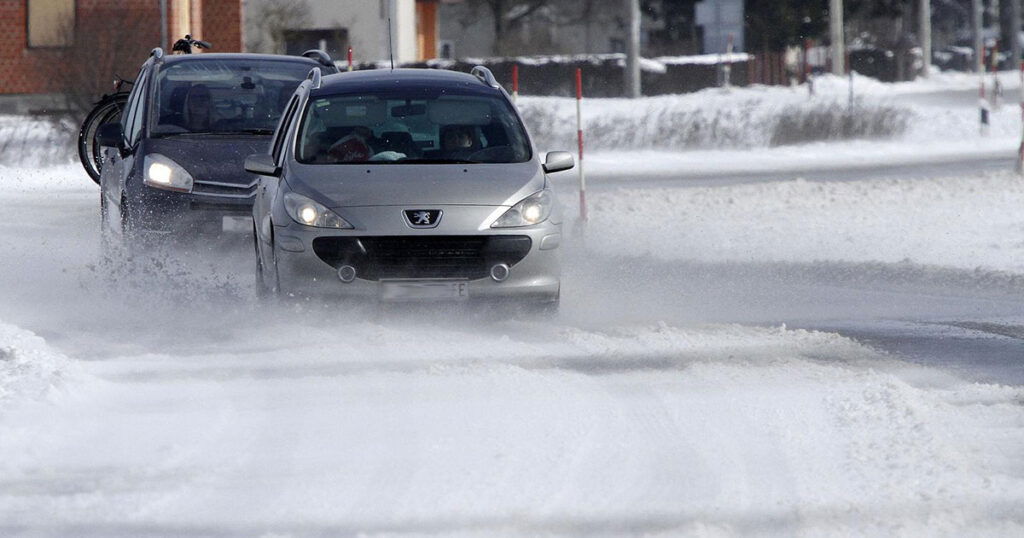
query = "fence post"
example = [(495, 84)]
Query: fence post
[(579, 139), (350, 58)]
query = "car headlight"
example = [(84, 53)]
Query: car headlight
[(533, 209), (309, 213), (161, 172)]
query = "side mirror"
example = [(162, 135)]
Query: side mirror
[(556, 161), (110, 135), (262, 164)]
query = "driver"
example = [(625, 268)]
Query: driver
[(198, 110)]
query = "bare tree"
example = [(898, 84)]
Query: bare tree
[(271, 21)]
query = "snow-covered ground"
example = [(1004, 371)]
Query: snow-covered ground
[(160, 399), (774, 128)]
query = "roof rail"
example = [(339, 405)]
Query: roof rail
[(485, 76), (320, 56), (314, 75), (157, 53)]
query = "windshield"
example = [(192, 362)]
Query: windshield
[(224, 96), (411, 127)]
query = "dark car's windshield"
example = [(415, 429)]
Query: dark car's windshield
[(224, 96), (415, 126)]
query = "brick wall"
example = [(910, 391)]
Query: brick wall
[(222, 24), (101, 26)]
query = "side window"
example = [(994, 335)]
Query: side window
[(136, 106), (282, 128)]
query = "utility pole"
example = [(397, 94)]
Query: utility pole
[(632, 82), (1015, 51), (163, 24), (979, 45), (924, 23), (835, 16)]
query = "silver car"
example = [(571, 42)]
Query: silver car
[(406, 184)]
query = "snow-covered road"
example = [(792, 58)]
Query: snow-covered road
[(667, 398)]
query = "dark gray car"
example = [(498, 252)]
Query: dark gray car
[(407, 184)]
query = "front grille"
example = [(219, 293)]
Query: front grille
[(217, 189), (451, 256)]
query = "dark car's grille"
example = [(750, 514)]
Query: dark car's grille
[(218, 189), (451, 256)]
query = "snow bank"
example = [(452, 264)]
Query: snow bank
[(759, 117), (29, 368), (966, 223), (27, 141)]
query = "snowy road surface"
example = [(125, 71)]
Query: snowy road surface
[(784, 358)]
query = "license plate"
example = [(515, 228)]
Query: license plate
[(398, 291), (236, 224)]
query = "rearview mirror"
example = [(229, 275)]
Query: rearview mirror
[(557, 161), (262, 164), (110, 135)]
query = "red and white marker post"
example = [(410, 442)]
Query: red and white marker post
[(350, 58), (579, 138), (1020, 150), (515, 83)]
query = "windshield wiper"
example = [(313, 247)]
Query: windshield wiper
[(253, 131), (427, 161)]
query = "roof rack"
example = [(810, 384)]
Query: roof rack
[(157, 53), (314, 75), (320, 56), (485, 76)]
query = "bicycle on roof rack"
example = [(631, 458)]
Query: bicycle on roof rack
[(108, 109)]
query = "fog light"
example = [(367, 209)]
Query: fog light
[(347, 273), (500, 272)]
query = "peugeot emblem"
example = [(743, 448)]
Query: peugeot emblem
[(422, 218)]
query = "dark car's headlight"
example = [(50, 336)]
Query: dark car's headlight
[(160, 172), (533, 209), (310, 213)]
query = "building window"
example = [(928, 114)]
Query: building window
[(51, 23)]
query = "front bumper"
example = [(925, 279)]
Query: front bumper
[(161, 212), (305, 266)]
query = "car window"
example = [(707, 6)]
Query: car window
[(224, 96), (131, 119), (282, 128), (416, 125)]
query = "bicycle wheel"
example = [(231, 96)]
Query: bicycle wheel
[(106, 111)]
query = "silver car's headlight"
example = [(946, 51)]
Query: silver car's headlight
[(533, 209), (309, 213), (161, 172)]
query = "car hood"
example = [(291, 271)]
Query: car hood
[(416, 184), (213, 158)]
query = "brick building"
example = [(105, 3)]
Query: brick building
[(43, 38)]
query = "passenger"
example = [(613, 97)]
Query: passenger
[(352, 148), (198, 109)]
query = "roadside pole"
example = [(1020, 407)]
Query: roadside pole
[(849, 71), (515, 83), (350, 58), (579, 140), (924, 25), (808, 76), (727, 65), (835, 19), (997, 88), (1020, 151), (982, 103)]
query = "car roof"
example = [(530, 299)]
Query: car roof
[(176, 58), (375, 80)]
